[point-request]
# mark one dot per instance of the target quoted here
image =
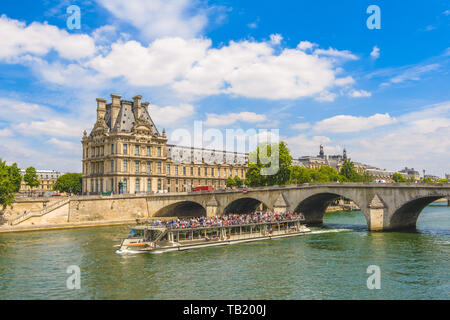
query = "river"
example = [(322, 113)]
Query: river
[(331, 264)]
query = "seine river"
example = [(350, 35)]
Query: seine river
[(327, 265)]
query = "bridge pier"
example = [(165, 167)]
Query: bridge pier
[(377, 210)]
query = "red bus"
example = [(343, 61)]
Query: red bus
[(202, 188)]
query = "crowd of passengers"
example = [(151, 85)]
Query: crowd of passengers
[(230, 219)]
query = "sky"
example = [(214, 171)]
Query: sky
[(312, 72)]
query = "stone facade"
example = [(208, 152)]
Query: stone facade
[(126, 153), (47, 179)]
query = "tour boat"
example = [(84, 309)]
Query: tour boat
[(158, 239)]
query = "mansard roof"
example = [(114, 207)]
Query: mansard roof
[(126, 119)]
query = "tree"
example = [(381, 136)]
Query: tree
[(270, 164), (442, 181), (230, 183), (69, 182), (398, 177), (238, 181), (349, 172), (10, 179), (31, 178), (15, 176), (300, 175), (427, 180)]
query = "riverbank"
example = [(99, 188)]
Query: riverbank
[(68, 225)]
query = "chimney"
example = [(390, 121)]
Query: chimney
[(137, 108), (101, 108), (115, 108)]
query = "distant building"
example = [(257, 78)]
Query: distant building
[(434, 178), (47, 179), (410, 173), (336, 162)]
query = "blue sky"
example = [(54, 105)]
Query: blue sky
[(311, 69)]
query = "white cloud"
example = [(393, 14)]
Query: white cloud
[(216, 120), (5, 132), (39, 39), (64, 145), (345, 123), (375, 54), (170, 116), (414, 73), (344, 54), (52, 127), (276, 38), (160, 18), (301, 126), (306, 45), (359, 93)]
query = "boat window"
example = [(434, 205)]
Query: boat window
[(136, 233), (152, 235)]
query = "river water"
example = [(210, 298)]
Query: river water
[(330, 264)]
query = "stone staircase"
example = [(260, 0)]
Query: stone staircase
[(39, 213)]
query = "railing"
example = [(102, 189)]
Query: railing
[(39, 213)]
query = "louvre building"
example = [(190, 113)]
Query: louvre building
[(126, 153)]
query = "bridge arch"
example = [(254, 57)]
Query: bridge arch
[(182, 209), (313, 207), (244, 205), (405, 216)]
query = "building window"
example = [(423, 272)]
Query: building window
[(124, 185), (112, 149), (149, 185), (125, 165), (112, 165), (125, 151), (168, 169), (136, 150), (138, 185), (242, 172), (184, 171), (149, 168), (87, 152), (136, 166), (199, 174), (159, 151), (148, 150), (212, 172), (159, 167), (192, 171), (206, 171), (159, 184), (176, 170)]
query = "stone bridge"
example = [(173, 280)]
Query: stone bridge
[(385, 206)]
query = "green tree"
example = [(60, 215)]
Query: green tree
[(238, 181), (349, 172), (69, 182), (442, 181), (7, 184), (270, 164), (15, 176), (230, 183), (427, 180), (300, 175), (398, 177), (30, 177)]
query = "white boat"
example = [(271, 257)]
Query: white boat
[(157, 239)]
